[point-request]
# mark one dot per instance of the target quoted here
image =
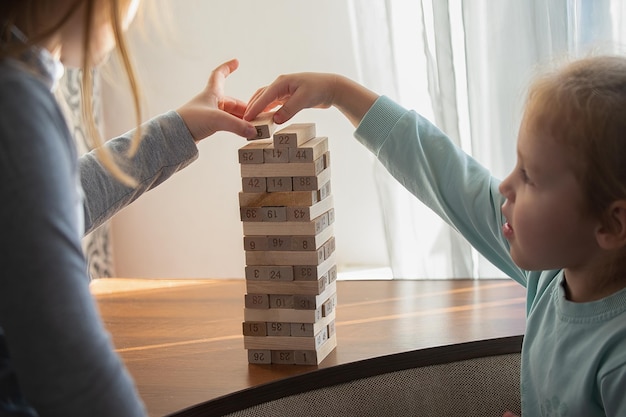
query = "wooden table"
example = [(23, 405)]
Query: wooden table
[(182, 339)]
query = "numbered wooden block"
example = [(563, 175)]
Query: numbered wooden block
[(312, 227), (255, 243), (281, 301), (306, 213), (257, 301), (254, 185), (294, 135), (323, 192), (329, 306), (251, 214), (255, 328), (253, 153), (329, 247), (302, 329), (284, 357), (268, 273), (313, 272), (309, 151), (305, 357), (277, 184), (273, 155), (279, 243), (260, 356), (265, 126), (273, 214), (309, 183), (276, 328)]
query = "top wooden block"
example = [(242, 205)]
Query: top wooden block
[(264, 124), (294, 135)]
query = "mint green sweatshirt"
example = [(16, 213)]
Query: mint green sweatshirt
[(574, 354)]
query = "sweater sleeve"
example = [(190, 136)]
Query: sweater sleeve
[(166, 147), (61, 353), (451, 183)]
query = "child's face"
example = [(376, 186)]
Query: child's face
[(546, 227)]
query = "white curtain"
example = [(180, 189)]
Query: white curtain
[(465, 65)]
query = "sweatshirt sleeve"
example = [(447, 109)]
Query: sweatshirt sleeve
[(451, 183), (58, 347), (166, 147)]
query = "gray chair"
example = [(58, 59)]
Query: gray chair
[(474, 379)]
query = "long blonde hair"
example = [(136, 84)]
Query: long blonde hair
[(27, 15)]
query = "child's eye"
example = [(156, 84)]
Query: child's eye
[(525, 177)]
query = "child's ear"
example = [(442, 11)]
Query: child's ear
[(613, 235)]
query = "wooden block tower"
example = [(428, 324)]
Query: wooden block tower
[(287, 213)]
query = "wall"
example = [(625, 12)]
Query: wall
[(189, 226)]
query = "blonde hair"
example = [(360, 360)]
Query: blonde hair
[(583, 107), (28, 15)]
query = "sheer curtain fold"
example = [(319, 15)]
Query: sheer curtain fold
[(466, 66)]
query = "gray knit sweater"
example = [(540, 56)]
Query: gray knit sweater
[(56, 358)]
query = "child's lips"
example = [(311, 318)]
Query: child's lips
[(507, 230)]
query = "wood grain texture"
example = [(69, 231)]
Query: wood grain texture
[(183, 343)]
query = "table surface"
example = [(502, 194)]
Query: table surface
[(182, 339)]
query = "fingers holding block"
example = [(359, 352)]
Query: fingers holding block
[(265, 126)]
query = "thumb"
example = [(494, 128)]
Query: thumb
[(223, 121)]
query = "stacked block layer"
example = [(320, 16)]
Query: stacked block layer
[(287, 212)]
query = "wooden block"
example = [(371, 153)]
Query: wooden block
[(286, 286), (257, 301), (253, 153), (294, 135), (292, 169), (260, 356), (313, 272), (272, 155), (254, 185), (324, 191), (329, 305), (255, 243), (305, 357), (285, 257), (283, 301), (255, 328), (294, 198), (278, 243), (273, 214), (331, 328), (283, 357), (312, 227), (277, 184), (265, 126), (269, 273), (302, 329), (315, 357), (283, 315), (332, 274), (329, 247), (286, 342), (309, 151), (276, 328), (306, 213), (251, 214), (313, 182)]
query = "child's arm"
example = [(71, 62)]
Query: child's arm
[(416, 153), (296, 92)]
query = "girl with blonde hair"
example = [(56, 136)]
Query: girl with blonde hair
[(56, 358)]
